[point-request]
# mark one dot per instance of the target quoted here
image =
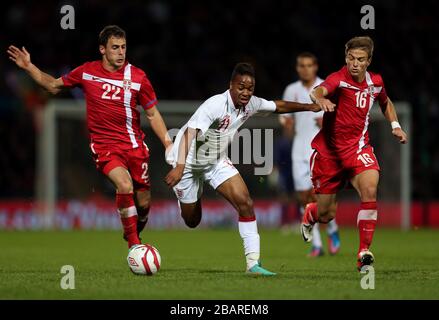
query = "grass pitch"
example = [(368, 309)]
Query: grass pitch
[(209, 264)]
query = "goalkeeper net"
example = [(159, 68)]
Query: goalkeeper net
[(66, 172)]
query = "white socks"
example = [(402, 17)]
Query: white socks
[(316, 239), (331, 227), (250, 236)]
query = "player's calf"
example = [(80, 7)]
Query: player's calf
[(366, 222), (143, 202), (128, 217), (308, 220), (244, 205), (191, 213), (142, 219), (248, 230)]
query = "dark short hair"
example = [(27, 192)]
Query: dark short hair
[(364, 43), (243, 68), (307, 54), (110, 31)]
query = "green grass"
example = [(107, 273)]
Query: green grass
[(209, 264)]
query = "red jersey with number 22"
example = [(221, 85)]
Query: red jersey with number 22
[(111, 98), (345, 131)]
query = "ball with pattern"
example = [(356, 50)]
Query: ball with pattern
[(144, 259)]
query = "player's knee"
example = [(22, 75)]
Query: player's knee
[(143, 204), (326, 218), (322, 211), (143, 210), (322, 215), (326, 214), (369, 193), (124, 186)]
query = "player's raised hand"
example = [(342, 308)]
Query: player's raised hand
[(174, 176), (20, 56), (400, 135), (326, 105)]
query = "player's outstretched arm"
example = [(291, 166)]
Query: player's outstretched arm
[(318, 96), (289, 107), (22, 59), (174, 176), (389, 112), (158, 126)]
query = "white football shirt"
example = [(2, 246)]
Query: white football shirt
[(304, 122), (218, 120)]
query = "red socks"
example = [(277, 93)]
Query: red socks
[(128, 216), (310, 215), (366, 222)]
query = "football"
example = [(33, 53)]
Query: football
[(144, 259)]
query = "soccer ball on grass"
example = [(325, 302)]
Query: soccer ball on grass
[(144, 259)]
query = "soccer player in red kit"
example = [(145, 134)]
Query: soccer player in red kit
[(342, 152), (113, 88)]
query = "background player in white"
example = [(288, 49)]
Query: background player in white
[(306, 126), (213, 126)]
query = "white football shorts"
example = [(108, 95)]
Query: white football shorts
[(190, 187)]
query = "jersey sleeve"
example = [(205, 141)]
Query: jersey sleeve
[(382, 96), (204, 117), (288, 95), (147, 97), (73, 78), (262, 106), (331, 83)]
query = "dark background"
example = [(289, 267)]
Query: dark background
[(188, 49)]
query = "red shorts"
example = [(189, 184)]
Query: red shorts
[(134, 160), (330, 175)]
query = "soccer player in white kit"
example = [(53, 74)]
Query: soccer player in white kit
[(307, 125), (212, 127)]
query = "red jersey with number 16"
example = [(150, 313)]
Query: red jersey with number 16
[(345, 131), (111, 98)]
